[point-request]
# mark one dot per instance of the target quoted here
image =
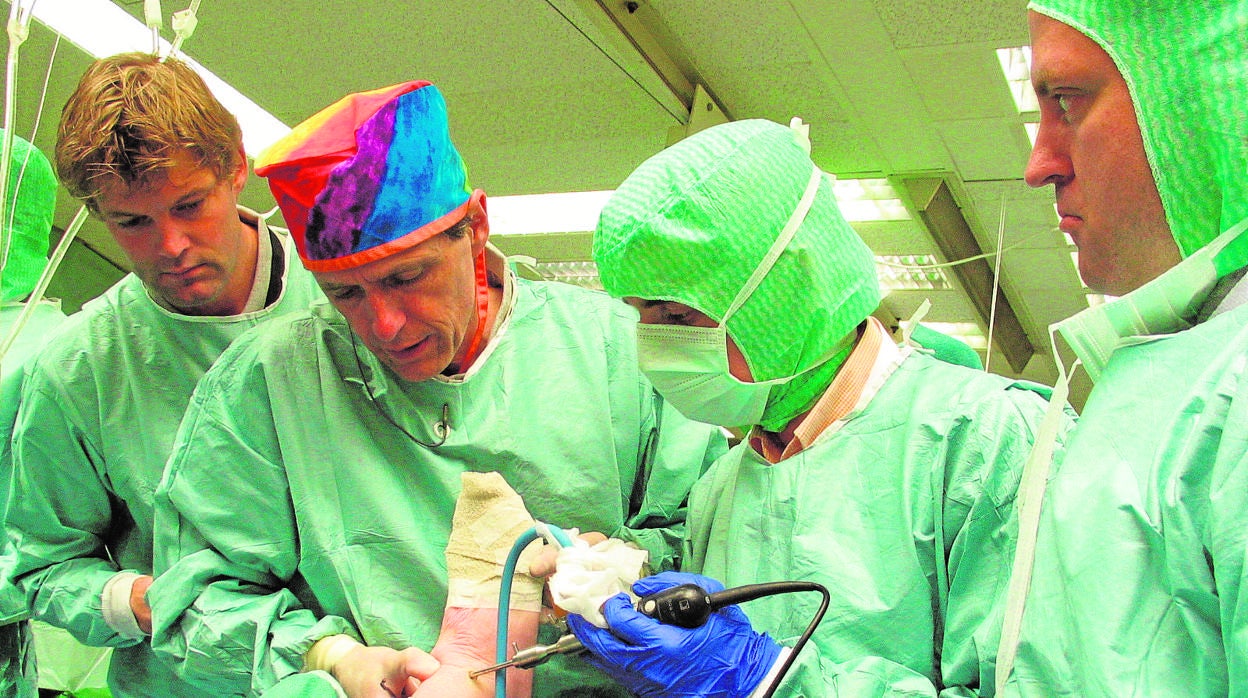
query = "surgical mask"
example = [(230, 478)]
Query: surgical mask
[(1163, 306), (689, 365), (689, 368)]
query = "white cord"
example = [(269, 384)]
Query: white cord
[(996, 284), (956, 262), (18, 29), (42, 285)]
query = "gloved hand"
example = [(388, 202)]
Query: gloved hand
[(380, 672), (723, 658)]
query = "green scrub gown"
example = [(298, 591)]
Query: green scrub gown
[(100, 407), (905, 513), (297, 507), (1158, 469), (1143, 530)]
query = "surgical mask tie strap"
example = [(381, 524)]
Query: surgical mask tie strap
[(777, 247), (910, 325), (1032, 486)]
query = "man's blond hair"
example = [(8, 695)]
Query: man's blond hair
[(128, 118)]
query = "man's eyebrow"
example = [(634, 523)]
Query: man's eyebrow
[(652, 303)]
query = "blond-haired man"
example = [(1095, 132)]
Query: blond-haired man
[(155, 156)]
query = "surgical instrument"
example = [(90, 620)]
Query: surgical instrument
[(687, 606)]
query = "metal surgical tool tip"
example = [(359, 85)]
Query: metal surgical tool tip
[(530, 657)]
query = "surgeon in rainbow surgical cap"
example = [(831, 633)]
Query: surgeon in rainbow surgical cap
[(303, 520), (877, 471), (1139, 570)]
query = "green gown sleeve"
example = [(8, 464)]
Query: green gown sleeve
[(221, 607), (61, 515)]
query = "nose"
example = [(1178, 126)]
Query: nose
[(385, 317), (1050, 157), (173, 240)]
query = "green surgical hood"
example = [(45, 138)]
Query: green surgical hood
[(692, 223), (1185, 67), (30, 201)]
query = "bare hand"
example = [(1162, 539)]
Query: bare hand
[(544, 564), (382, 672), (138, 603), (466, 643)]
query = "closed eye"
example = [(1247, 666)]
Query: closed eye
[(189, 206)]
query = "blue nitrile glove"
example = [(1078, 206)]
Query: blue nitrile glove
[(724, 658)]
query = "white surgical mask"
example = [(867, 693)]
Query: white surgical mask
[(689, 368), (689, 365)]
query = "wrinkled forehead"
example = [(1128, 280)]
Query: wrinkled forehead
[(422, 255)]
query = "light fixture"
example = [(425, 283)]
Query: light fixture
[(1032, 129), (577, 212), (101, 29), (571, 212), (869, 200), (1016, 66), (896, 273), (912, 272), (584, 274)]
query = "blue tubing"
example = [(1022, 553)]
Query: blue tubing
[(504, 595)]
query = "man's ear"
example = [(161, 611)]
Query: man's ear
[(241, 170), (480, 222)]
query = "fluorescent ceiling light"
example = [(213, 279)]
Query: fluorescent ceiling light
[(583, 274), (1032, 129), (869, 200), (1016, 66), (103, 29), (572, 212), (896, 273), (912, 272), (577, 212)]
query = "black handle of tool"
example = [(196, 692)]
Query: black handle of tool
[(689, 605)]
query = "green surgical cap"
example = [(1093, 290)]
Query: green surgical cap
[(692, 223), (31, 207), (1184, 63)]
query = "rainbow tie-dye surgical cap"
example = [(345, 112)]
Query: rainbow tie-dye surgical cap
[(371, 175)]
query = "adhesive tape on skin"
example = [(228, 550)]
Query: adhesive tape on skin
[(489, 517), (586, 576)]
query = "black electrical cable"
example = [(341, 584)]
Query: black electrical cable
[(689, 606), (773, 588)]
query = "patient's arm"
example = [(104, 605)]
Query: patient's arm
[(466, 644), (489, 517)]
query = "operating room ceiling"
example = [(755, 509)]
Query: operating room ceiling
[(571, 95)]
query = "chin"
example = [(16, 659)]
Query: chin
[(413, 374)]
